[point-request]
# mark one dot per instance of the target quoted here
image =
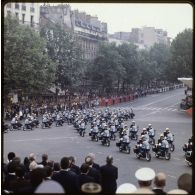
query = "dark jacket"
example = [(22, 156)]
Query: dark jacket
[(95, 174), (68, 180), (84, 179), (109, 176), (159, 191)]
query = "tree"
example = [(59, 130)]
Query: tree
[(181, 55), (160, 59), (107, 69), (63, 50), (26, 66), (129, 63)]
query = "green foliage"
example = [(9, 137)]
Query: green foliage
[(63, 50), (26, 66), (181, 59)]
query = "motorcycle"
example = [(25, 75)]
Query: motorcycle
[(142, 153), (27, 126), (105, 140), (59, 123), (94, 136), (15, 126), (124, 147), (160, 152), (81, 132), (188, 158), (171, 144), (112, 135), (46, 124)]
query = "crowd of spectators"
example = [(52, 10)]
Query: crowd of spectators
[(66, 177)]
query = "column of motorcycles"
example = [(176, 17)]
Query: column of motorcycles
[(104, 124)]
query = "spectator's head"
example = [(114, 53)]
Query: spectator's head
[(10, 156), (26, 161), (11, 167), (145, 176), (48, 171), (89, 161), (84, 168), (20, 171), (36, 176), (72, 159), (56, 166), (17, 160), (65, 163), (184, 182), (160, 180), (109, 160), (50, 163), (44, 157), (32, 157), (92, 155)]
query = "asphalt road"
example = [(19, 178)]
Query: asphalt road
[(161, 110)]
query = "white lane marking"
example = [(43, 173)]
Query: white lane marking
[(39, 139), (177, 158), (160, 100), (172, 176)]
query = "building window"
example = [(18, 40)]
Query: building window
[(17, 16), (17, 6), (32, 9), (31, 21), (8, 5), (23, 18), (23, 6)]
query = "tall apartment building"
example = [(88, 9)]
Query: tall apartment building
[(27, 13), (89, 29), (148, 36), (144, 37)]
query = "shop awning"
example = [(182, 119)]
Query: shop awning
[(186, 81)]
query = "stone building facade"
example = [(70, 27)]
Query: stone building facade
[(90, 31), (27, 13)]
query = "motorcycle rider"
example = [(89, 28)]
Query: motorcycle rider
[(133, 128), (151, 132), (15, 122), (163, 144), (94, 130), (125, 139), (144, 146), (168, 135), (112, 129), (105, 134), (188, 146), (82, 126), (28, 122), (145, 133)]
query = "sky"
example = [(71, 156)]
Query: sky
[(173, 18)]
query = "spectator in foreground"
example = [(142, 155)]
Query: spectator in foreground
[(184, 182), (94, 165), (74, 167), (159, 183), (83, 177), (68, 179), (44, 160), (126, 188), (93, 172), (144, 177), (109, 176)]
